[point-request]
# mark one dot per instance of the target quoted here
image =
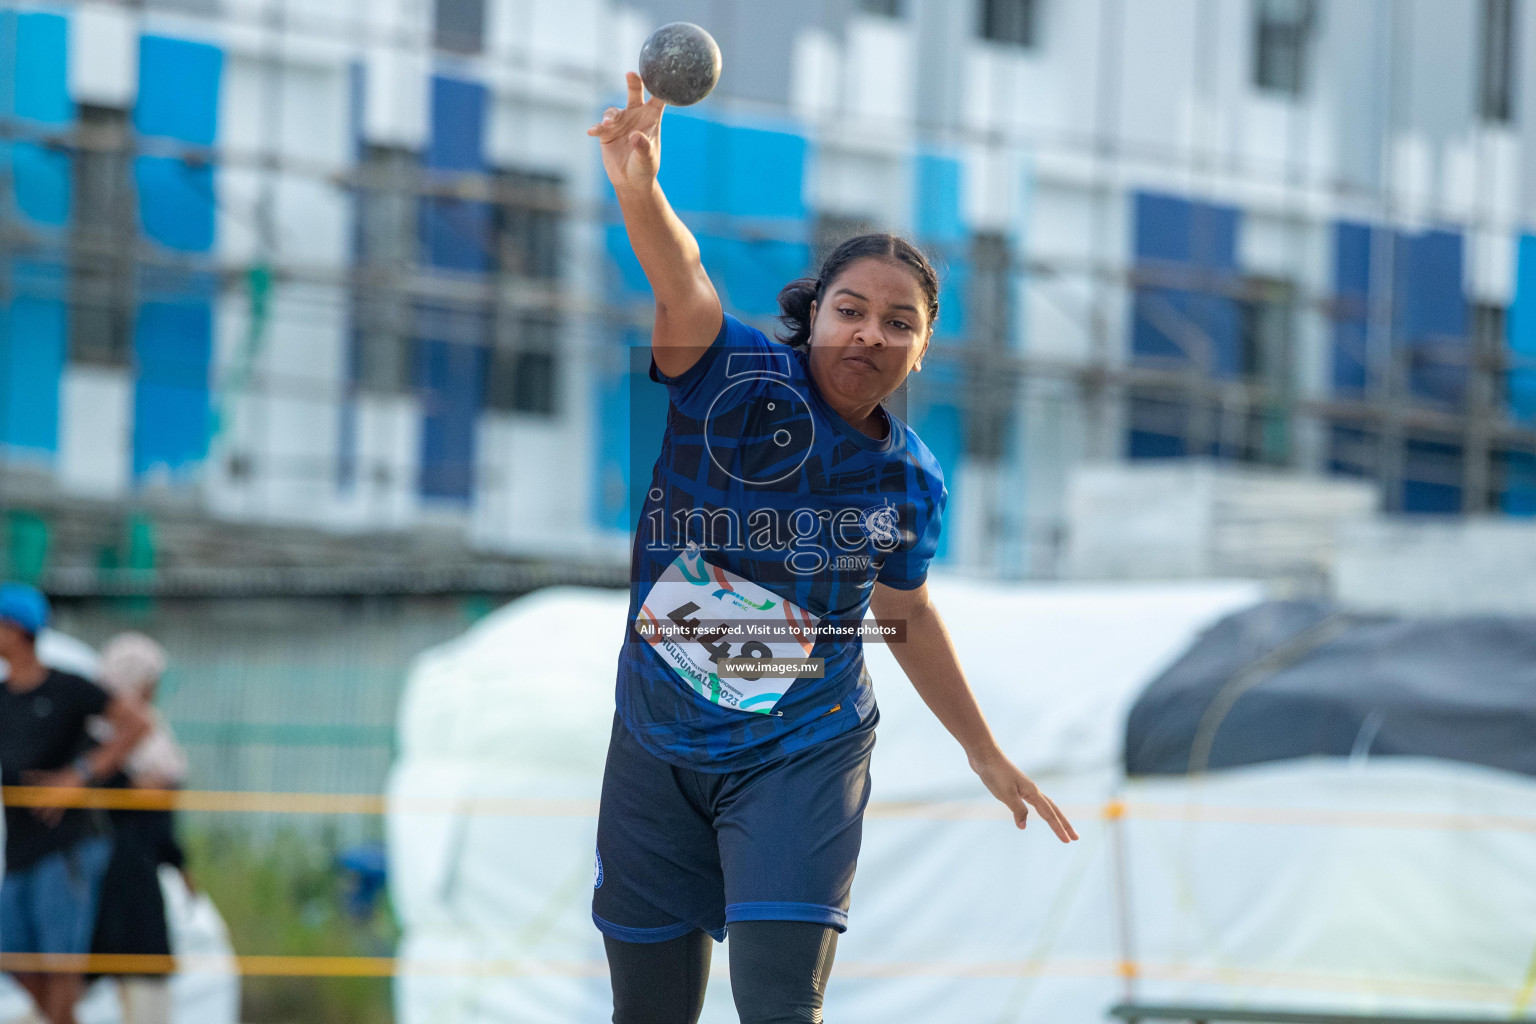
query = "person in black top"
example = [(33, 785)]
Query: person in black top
[(54, 857), (131, 919)]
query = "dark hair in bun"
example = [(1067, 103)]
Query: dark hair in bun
[(796, 298)]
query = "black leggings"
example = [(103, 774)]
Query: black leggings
[(779, 973)]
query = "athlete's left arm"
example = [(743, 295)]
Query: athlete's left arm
[(929, 660)]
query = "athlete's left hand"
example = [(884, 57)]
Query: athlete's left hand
[(1019, 793)]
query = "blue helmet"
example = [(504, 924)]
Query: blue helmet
[(24, 607)]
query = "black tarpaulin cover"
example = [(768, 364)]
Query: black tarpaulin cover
[(1289, 679)]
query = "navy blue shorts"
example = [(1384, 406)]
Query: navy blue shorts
[(679, 849)]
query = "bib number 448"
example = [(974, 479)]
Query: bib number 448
[(713, 640)]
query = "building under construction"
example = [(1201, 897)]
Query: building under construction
[(332, 269)]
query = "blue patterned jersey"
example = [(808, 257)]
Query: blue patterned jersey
[(768, 498)]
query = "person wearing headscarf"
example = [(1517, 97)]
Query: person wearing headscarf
[(132, 917)]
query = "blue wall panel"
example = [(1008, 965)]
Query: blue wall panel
[(754, 270), (764, 173), (1427, 469), (450, 348), (1517, 493), (177, 205), (179, 89), (1178, 239), (179, 84), (41, 181), (691, 164), (33, 344), (1352, 291), (172, 410), (457, 234), (627, 280), (610, 481), (940, 226), (33, 88), (1183, 312), (1432, 314), (1428, 331), (743, 171), (450, 378), (631, 420), (938, 219), (1522, 332), (458, 125), (40, 87), (941, 426), (1429, 313)]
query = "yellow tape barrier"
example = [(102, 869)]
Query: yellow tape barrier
[(955, 810), (1056, 967), (385, 967)]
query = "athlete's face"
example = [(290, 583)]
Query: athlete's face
[(869, 331)]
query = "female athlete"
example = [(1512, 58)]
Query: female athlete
[(786, 502)]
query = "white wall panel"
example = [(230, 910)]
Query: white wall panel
[(573, 34), (625, 31), (313, 116), (387, 455), (815, 84), (523, 498), (881, 78), (314, 219), (994, 179), (103, 55), (395, 96), (1490, 259), (1413, 176), (524, 133), (235, 236), (95, 430), (1011, 91), (1156, 73), (863, 183), (300, 364)]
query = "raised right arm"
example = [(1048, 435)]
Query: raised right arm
[(688, 312)]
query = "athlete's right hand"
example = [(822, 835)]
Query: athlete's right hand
[(631, 138)]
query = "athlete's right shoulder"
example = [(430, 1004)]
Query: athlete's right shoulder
[(735, 345)]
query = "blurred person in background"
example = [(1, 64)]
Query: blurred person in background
[(55, 858), (132, 916)]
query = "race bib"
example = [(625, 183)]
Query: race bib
[(698, 613)]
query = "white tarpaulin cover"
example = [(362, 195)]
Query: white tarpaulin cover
[(1308, 883)]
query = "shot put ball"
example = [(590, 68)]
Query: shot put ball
[(680, 63)]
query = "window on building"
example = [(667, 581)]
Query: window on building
[(989, 404), (530, 211), (522, 375), (884, 8), (102, 241), (1009, 21), (1496, 66), (185, 6), (1265, 318), (991, 291), (386, 254), (1490, 356), (1282, 40), (459, 25)]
